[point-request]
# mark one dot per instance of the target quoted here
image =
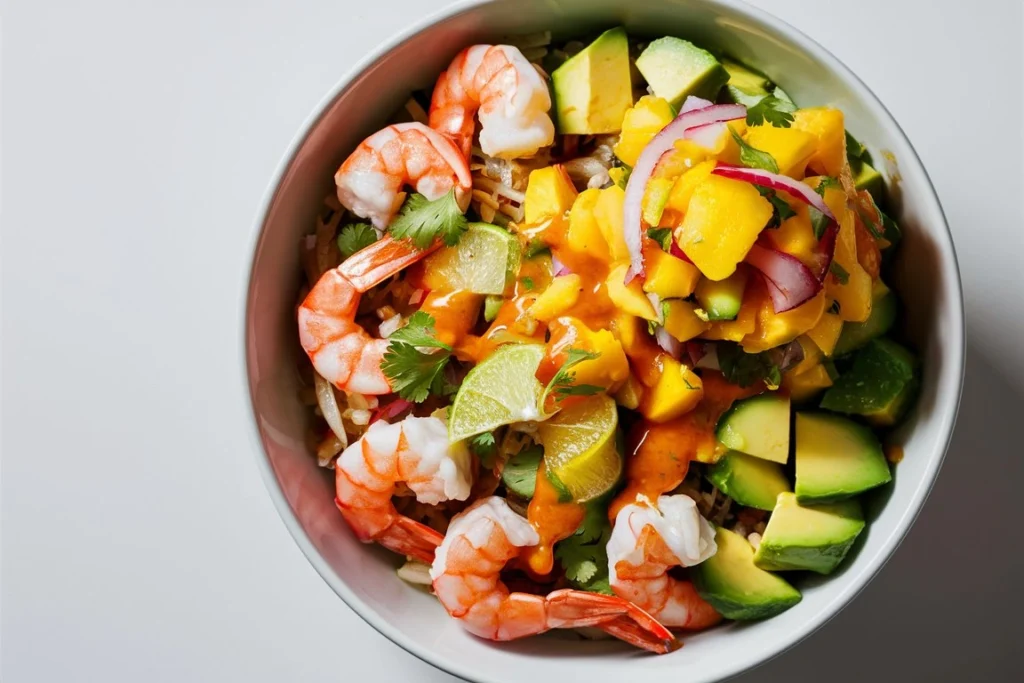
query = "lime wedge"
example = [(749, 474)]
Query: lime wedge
[(579, 447), (499, 391), (485, 260)]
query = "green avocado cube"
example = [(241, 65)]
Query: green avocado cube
[(593, 89), (836, 458), (736, 587), (884, 308), (815, 538), (676, 68), (867, 178), (748, 480), (880, 385)]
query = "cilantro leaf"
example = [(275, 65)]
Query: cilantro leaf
[(536, 247), (745, 369), (754, 158), (484, 447), (781, 210), (583, 555), (825, 183), (422, 221), (819, 221), (520, 472), (776, 111), (662, 236), (854, 149), (413, 372), (355, 237), (839, 272), (528, 283), (563, 383)]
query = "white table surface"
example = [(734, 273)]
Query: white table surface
[(138, 541)]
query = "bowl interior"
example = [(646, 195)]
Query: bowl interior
[(926, 278)]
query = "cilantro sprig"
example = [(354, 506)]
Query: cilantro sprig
[(484, 447), (752, 157), (415, 360), (819, 221), (776, 111), (563, 384), (355, 237), (839, 273), (422, 221), (781, 210), (583, 555), (663, 236)]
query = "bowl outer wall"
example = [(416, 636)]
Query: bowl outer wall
[(363, 577)]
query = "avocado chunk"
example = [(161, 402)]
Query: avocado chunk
[(676, 68), (884, 307), (815, 538), (748, 480), (722, 298), (867, 178), (745, 78), (880, 385), (737, 588), (593, 89), (758, 426), (836, 458), (492, 304)]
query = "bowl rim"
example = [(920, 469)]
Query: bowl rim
[(834, 604)]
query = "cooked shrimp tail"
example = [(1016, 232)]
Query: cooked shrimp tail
[(414, 451), (467, 580), (511, 97), (341, 350)]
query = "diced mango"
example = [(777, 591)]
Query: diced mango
[(684, 156), (629, 394), (681, 321), (826, 124), (682, 190), (722, 222), (629, 330), (854, 296), (609, 213), (806, 384), (744, 324), (826, 333), (629, 298), (617, 174), (561, 295), (791, 147), (795, 236), (549, 192), (655, 197), (584, 234), (640, 124), (668, 276), (812, 355), (774, 329), (730, 149), (677, 391), (609, 369)]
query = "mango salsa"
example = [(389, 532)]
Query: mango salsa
[(677, 391), (682, 190), (655, 197), (854, 296), (630, 393), (610, 369), (667, 276), (829, 130), (549, 192), (608, 212), (561, 295), (774, 329), (791, 147), (640, 124), (722, 222), (805, 385), (744, 324), (584, 235), (826, 333), (795, 236), (681, 320), (629, 298)]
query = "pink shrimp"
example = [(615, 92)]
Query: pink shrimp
[(512, 99), (342, 351), (647, 542), (370, 181), (466, 575), (414, 451)]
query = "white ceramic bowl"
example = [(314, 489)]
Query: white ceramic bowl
[(927, 280)]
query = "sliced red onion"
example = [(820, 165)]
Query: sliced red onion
[(559, 267), (708, 135), (803, 192), (668, 343), (692, 103), (695, 350), (709, 361), (678, 252), (789, 281), (417, 296), (644, 167), (396, 407)]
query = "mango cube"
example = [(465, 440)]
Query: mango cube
[(681, 320), (630, 393), (774, 329), (826, 333), (549, 192), (561, 295), (677, 391), (629, 298), (584, 235), (722, 222), (827, 126), (667, 276), (806, 384), (610, 217), (639, 126), (682, 190), (795, 236), (853, 295), (791, 147)]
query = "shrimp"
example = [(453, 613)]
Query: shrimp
[(511, 96), (647, 542), (370, 181), (342, 351), (466, 575), (414, 451)]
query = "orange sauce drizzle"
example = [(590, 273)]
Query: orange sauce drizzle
[(552, 520)]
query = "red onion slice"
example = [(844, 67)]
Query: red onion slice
[(645, 165), (668, 343), (558, 267), (708, 135), (692, 103), (389, 411), (790, 282)]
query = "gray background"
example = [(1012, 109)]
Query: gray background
[(138, 542)]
